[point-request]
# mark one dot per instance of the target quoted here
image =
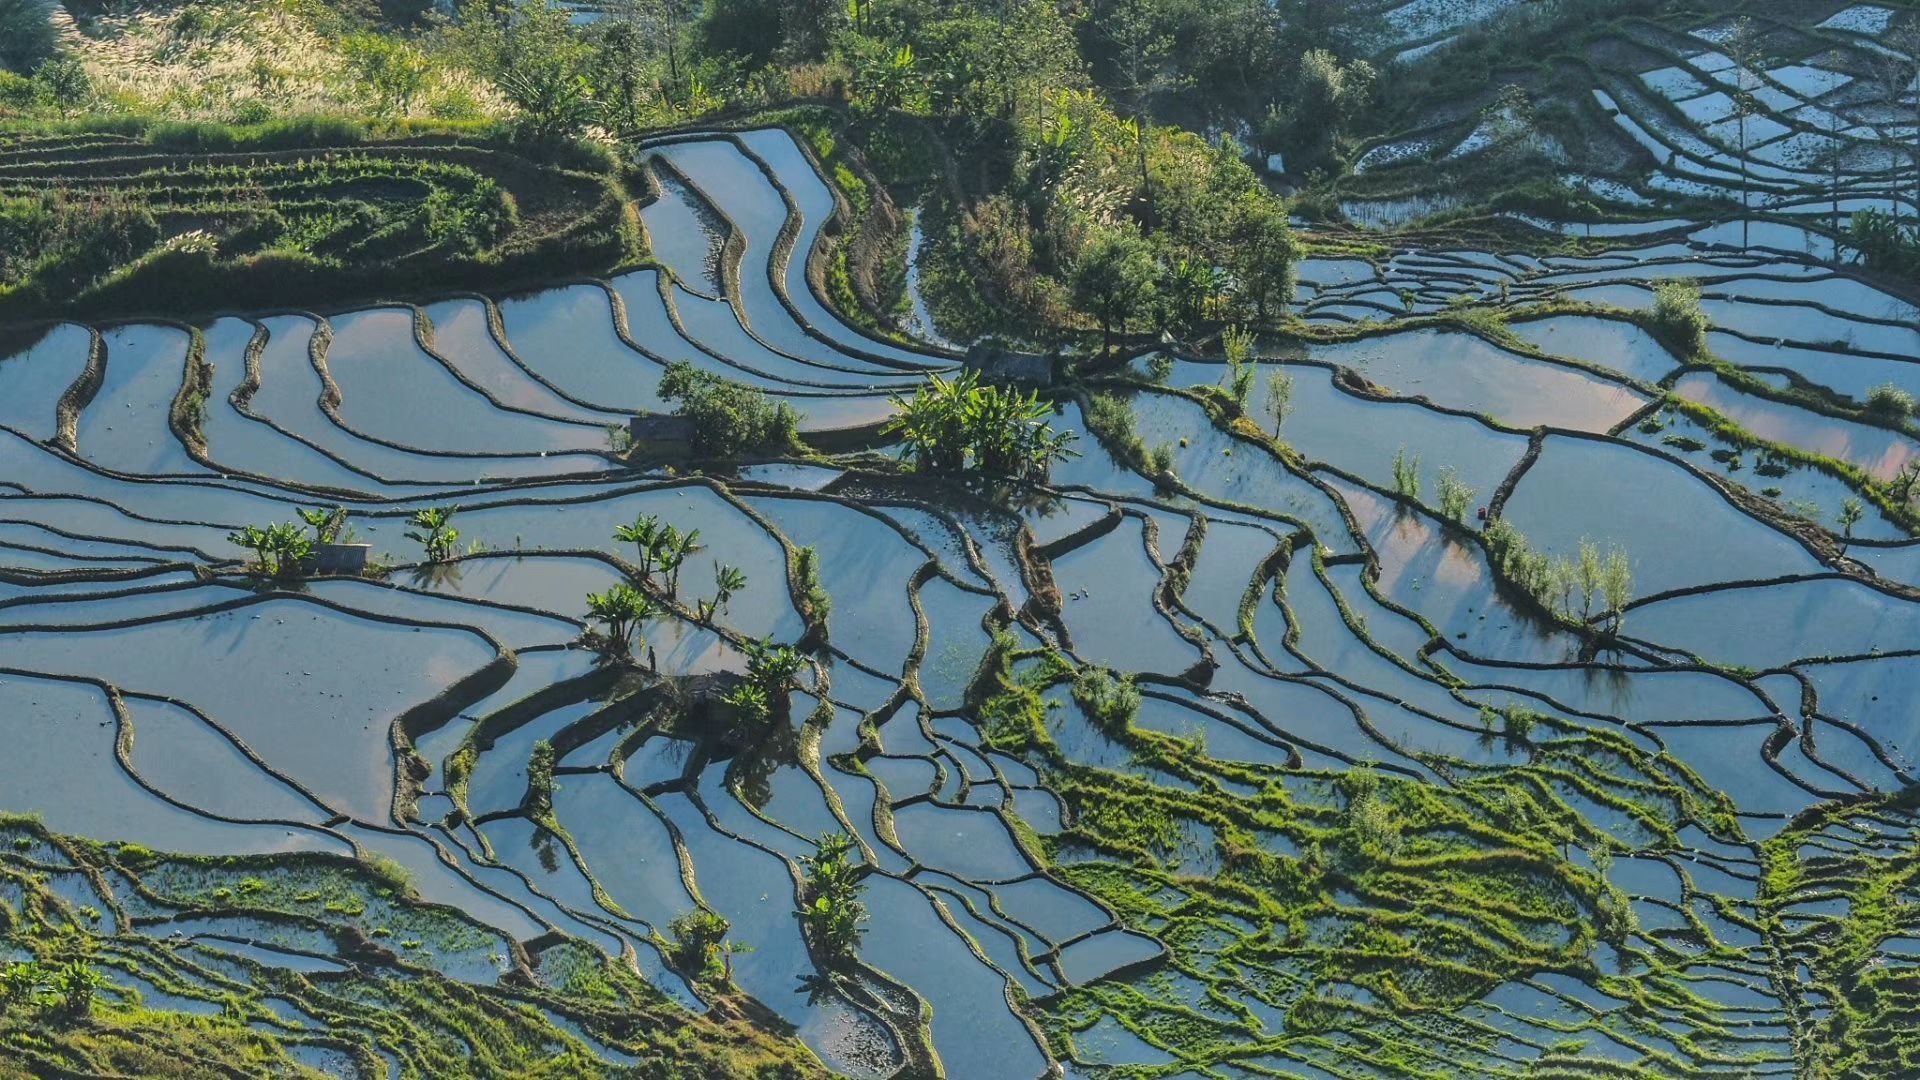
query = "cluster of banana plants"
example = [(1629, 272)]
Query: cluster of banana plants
[(964, 424), (661, 548), (279, 550), (621, 614), (833, 913)]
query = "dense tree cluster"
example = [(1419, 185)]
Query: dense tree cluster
[(1085, 200), (965, 424), (728, 417), (27, 37)]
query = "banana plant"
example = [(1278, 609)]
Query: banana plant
[(20, 982), (644, 535), (74, 986), (279, 550), (1196, 287), (672, 551), (932, 424), (327, 523), (727, 580), (946, 425), (751, 705), (773, 667), (833, 913), (433, 529), (624, 611)]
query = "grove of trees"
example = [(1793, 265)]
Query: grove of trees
[(1079, 197)]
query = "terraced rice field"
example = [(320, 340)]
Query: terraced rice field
[(1375, 815), (263, 215), (1812, 121)]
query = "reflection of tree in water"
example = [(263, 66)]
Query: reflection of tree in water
[(545, 849), (264, 586), (1028, 500), (994, 508), (436, 575), (1615, 684), (867, 999), (750, 773), (666, 750), (819, 989)]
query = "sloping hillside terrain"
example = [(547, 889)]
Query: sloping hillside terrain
[(1160, 541)]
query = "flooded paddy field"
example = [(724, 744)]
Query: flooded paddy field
[(1528, 698)]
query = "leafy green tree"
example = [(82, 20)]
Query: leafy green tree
[(659, 547), (1314, 23), (1327, 96), (539, 62), (728, 417), (556, 104), (620, 62), (392, 71), (63, 83), (753, 713), (1588, 573), (1140, 49), (1279, 398), (1616, 586), (1115, 280), (1884, 242), (1005, 62), (1009, 434), (700, 947), (884, 77), (668, 25), (27, 36), (644, 534), (540, 780), (1851, 511), (933, 423), (675, 547), (1678, 317), (808, 27), (1406, 473), (1193, 289), (1455, 495), (1263, 255), (831, 909), (1226, 49), (762, 698), (747, 29), (772, 667), (1237, 343)]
